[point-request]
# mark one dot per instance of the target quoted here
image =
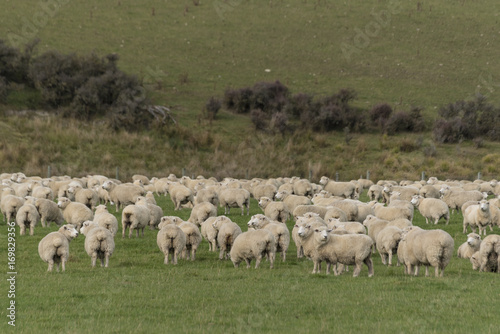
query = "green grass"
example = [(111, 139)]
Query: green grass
[(139, 294)]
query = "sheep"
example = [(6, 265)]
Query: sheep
[(74, 213), (99, 243), (490, 247), (375, 192), (150, 197), (193, 235), (456, 198), (349, 207), (49, 212), (470, 246), (54, 247), (180, 195), (274, 210), (103, 195), (292, 201), (467, 204), (135, 217), (279, 230), (373, 226), (228, 231), (350, 227), (144, 179), (234, 198), (477, 216), (43, 192), (122, 194), (83, 195), (491, 263), (207, 195), (171, 240), (106, 219), (342, 189), (431, 208), (302, 236), (391, 213), (264, 190), (429, 191), (27, 215), (302, 209), (253, 245), (209, 233), (9, 206), (201, 212), (155, 212), (335, 212), (406, 193), (302, 187), (387, 243), (426, 247), (348, 249)]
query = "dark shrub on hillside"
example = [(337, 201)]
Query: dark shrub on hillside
[(279, 122), (299, 104), (403, 121), (448, 131), (269, 96), (14, 64), (259, 119), (212, 107), (3, 89), (380, 113), (238, 100)]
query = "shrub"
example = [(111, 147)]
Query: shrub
[(3, 89), (403, 121), (279, 121), (299, 104), (259, 119), (212, 107), (269, 96), (380, 113), (448, 131), (14, 64)]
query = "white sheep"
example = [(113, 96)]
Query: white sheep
[(292, 201), (135, 217), (180, 195), (89, 197), (171, 240), (234, 198), (103, 195), (207, 195), (99, 243), (27, 215), (54, 247), (74, 213), (491, 262), (191, 231), (375, 193), (155, 212), (138, 177), (350, 227), (470, 246), (392, 213), (342, 189), (387, 243), (106, 219), (467, 204), (302, 209), (279, 230), (335, 212), (228, 231), (274, 210), (253, 245), (42, 192), (431, 208), (123, 194), (429, 191), (477, 216), (9, 206), (455, 198), (349, 207), (209, 233), (201, 212), (490, 247), (264, 190), (302, 187), (426, 247), (49, 212)]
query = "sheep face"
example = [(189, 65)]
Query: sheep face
[(324, 180), (264, 201), (473, 239), (87, 226), (485, 205), (69, 231), (63, 202), (415, 200)]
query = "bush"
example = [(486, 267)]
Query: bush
[(259, 119), (448, 131), (279, 122), (3, 89), (269, 97), (14, 64), (403, 121), (299, 104), (380, 113), (212, 107)]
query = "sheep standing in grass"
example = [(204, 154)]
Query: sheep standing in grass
[(106, 219), (392, 213), (99, 243), (350, 227), (279, 230), (49, 212), (180, 195), (387, 243), (477, 216), (228, 231), (171, 240), (123, 194), (335, 212), (292, 201), (209, 233), (54, 247), (302, 209), (456, 198), (27, 216), (375, 193), (491, 262), (264, 190), (234, 198), (201, 212), (429, 191), (253, 245), (470, 246), (135, 217), (308, 222), (74, 213), (89, 197), (431, 208), (274, 210), (155, 212), (490, 248), (9, 206)]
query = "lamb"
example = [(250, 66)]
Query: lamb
[(155, 212), (27, 215), (477, 216), (105, 219), (99, 243), (456, 198), (375, 193), (431, 208), (253, 245), (279, 230), (103, 195), (292, 201), (135, 217), (490, 247), (74, 213), (274, 210), (342, 189), (201, 212), (180, 195), (234, 197), (228, 231), (43, 192), (123, 194), (348, 249), (171, 240), (387, 243), (49, 212), (9, 206), (54, 247), (426, 247), (209, 233), (391, 213), (302, 209), (469, 247)]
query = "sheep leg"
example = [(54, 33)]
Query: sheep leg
[(193, 253), (51, 265), (383, 258), (221, 253), (63, 264), (369, 263), (426, 220), (43, 222), (94, 259), (257, 260), (426, 271), (165, 261), (417, 268), (357, 269), (23, 230), (248, 263), (32, 229), (283, 255), (315, 267), (328, 267), (106, 264), (390, 258)]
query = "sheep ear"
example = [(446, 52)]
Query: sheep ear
[(329, 231)]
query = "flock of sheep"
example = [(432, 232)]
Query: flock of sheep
[(330, 224)]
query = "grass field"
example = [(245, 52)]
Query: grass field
[(139, 294)]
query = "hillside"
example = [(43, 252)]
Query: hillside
[(405, 54)]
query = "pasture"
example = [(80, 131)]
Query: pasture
[(139, 294)]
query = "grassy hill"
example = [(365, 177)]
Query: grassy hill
[(404, 53)]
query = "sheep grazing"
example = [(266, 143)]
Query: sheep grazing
[(135, 217), (209, 233), (387, 243), (374, 193), (264, 190), (54, 247), (201, 212), (302, 187), (74, 213), (253, 245), (477, 216), (123, 194), (27, 216), (431, 208), (491, 263), (234, 198), (279, 230), (490, 248), (106, 219), (49, 212), (429, 191), (207, 195), (99, 243), (9, 206), (228, 231), (349, 207), (342, 189), (274, 210), (42, 192), (470, 246), (171, 240), (425, 247)]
